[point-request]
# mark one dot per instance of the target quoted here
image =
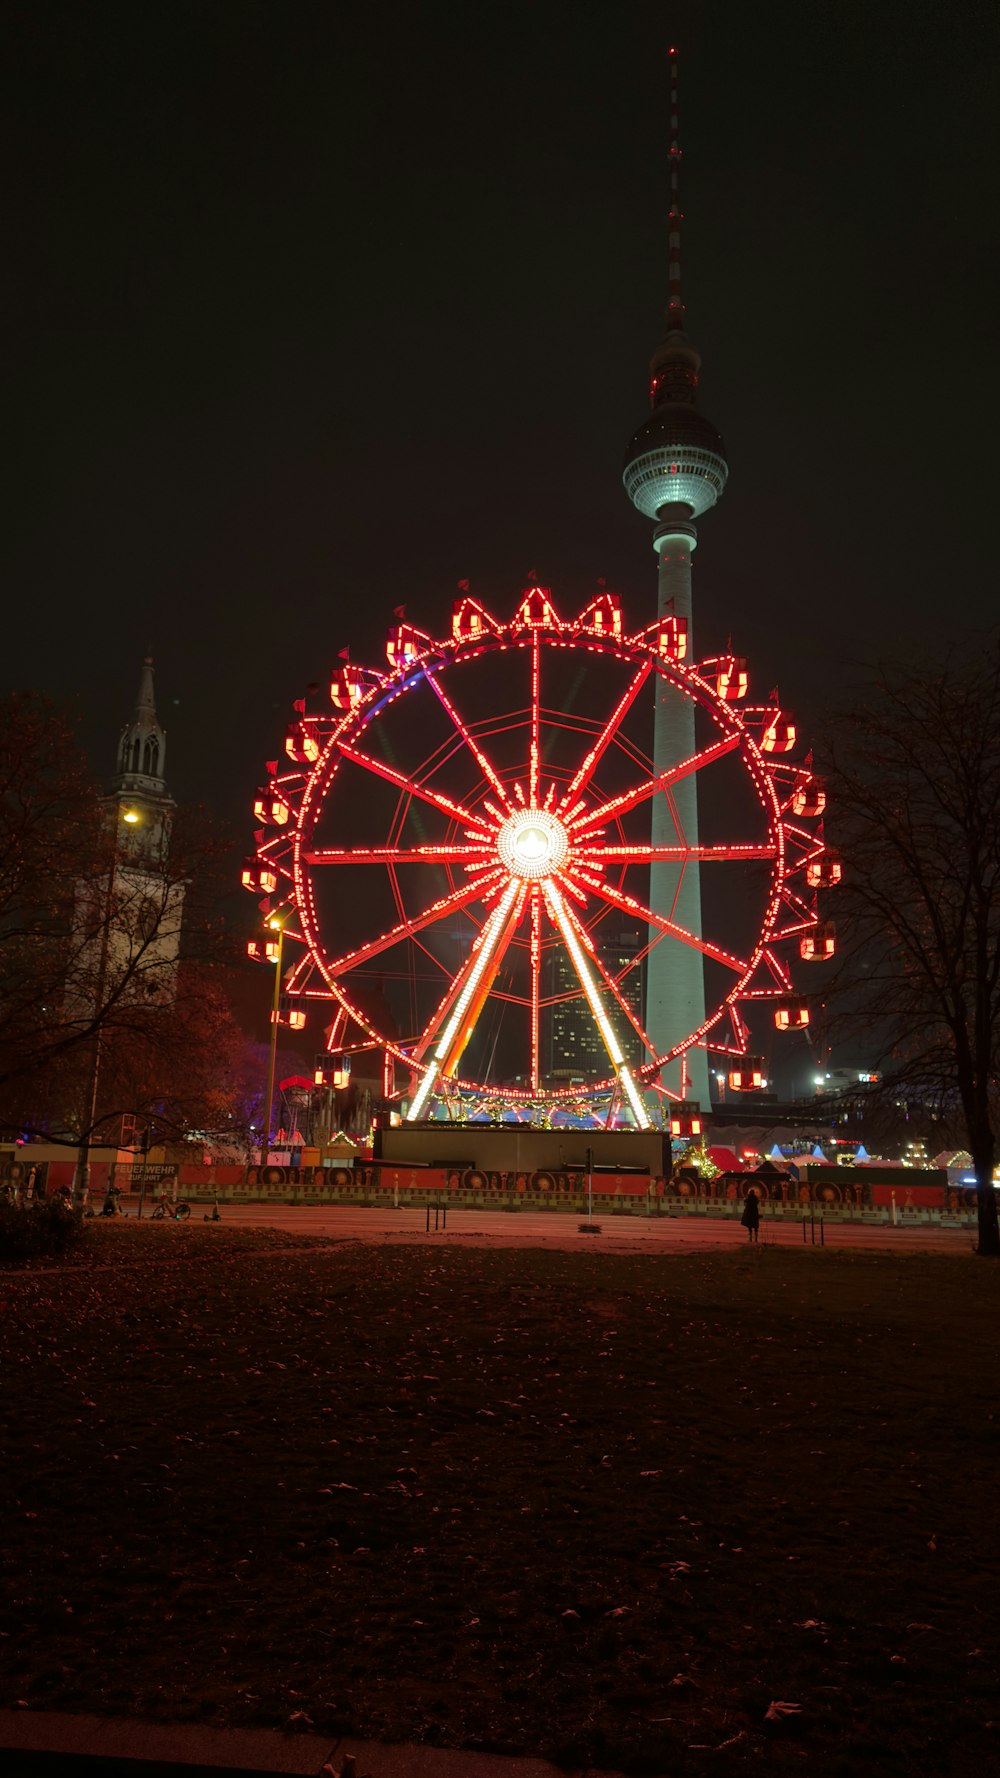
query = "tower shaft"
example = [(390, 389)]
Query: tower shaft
[(675, 983)]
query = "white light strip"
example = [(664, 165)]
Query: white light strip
[(639, 1111), (487, 945), (579, 961)]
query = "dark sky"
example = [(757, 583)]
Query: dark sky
[(319, 309)]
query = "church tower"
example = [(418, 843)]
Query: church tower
[(675, 470), (139, 787), (128, 917), (140, 813)]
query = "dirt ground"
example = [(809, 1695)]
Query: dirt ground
[(675, 1514)]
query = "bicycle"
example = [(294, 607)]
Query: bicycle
[(167, 1211)]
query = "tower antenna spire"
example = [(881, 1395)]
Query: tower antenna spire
[(675, 304)]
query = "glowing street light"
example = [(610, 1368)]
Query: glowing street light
[(276, 925)]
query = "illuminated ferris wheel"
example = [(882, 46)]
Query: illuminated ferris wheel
[(447, 841)]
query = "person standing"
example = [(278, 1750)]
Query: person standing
[(751, 1215)]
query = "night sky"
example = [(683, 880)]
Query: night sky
[(317, 310)]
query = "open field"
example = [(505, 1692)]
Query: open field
[(623, 1234), (595, 1505)]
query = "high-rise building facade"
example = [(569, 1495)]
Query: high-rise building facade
[(576, 1049)]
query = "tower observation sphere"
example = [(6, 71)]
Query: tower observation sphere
[(676, 458)]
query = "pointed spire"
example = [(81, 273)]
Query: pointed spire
[(142, 744), (676, 457), (145, 703), (676, 364), (675, 215)]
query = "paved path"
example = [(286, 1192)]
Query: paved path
[(43, 1742), (620, 1234)]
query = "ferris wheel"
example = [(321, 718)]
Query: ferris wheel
[(449, 842)]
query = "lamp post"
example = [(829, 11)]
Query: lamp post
[(81, 1182), (278, 926)]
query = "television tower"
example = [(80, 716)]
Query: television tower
[(675, 469)]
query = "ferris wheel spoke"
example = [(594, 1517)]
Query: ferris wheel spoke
[(564, 925), (534, 761), (454, 810), (648, 854), (451, 994), (498, 950), (448, 904), (590, 763), (535, 963), (630, 799), (473, 984), (630, 905), (471, 853), (477, 753)]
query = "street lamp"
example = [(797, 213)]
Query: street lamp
[(81, 1182), (277, 926)]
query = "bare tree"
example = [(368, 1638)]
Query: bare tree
[(49, 842), (171, 1065), (112, 945), (915, 795)]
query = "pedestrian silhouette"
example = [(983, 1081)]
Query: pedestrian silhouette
[(751, 1215)]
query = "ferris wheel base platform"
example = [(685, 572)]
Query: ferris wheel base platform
[(520, 1148)]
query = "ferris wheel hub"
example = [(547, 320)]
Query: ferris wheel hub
[(532, 844)]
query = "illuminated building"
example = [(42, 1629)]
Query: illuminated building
[(575, 1048)]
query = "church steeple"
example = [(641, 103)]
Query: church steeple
[(142, 747)]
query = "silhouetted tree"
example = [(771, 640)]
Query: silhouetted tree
[(915, 805), (50, 826), (101, 945)]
